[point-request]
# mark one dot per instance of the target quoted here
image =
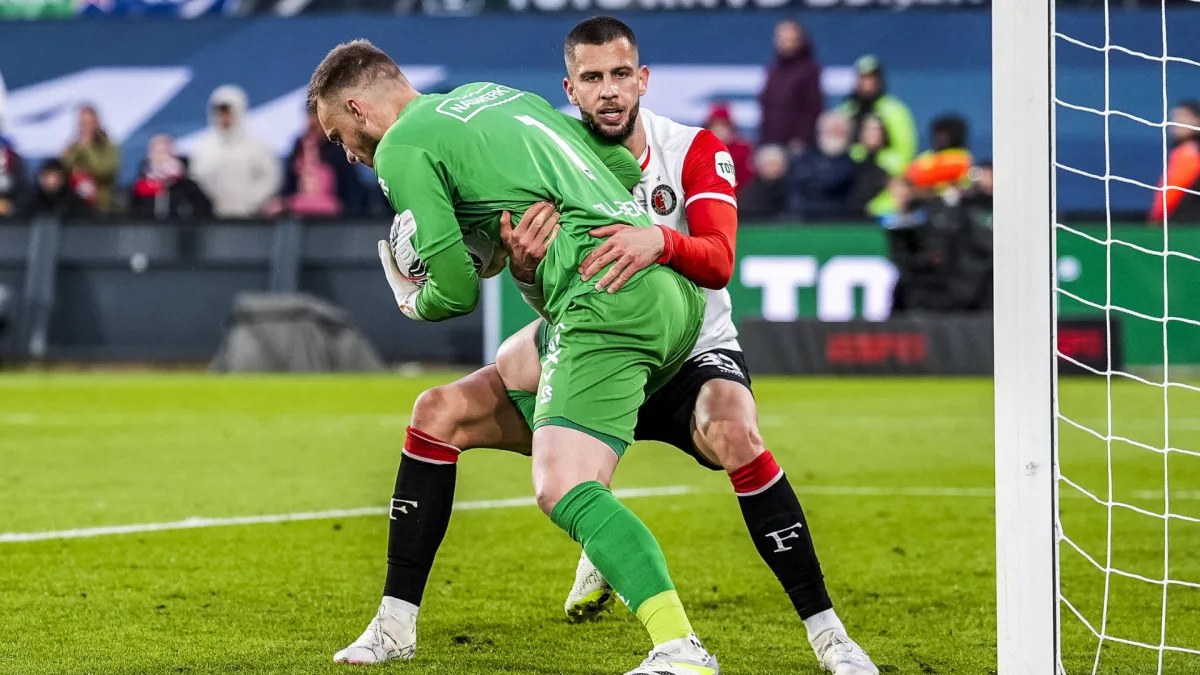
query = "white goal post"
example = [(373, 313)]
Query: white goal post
[(1025, 374)]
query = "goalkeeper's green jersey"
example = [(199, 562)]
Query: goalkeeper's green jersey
[(452, 162)]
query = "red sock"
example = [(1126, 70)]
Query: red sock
[(757, 476), (422, 446)]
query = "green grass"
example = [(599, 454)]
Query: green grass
[(913, 575)]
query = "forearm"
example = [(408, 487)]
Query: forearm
[(706, 256), (451, 288)]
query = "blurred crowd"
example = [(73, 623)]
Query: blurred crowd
[(852, 160), (812, 162), (229, 174)]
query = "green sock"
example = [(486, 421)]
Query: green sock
[(628, 556)]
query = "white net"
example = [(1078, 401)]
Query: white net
[(1129, 424)]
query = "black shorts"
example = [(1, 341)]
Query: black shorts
[(667, 415)]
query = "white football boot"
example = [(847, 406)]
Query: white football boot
[(840, 655), (685, 656), (591, 593), (391, 635)]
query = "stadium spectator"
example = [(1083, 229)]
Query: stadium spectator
[(1183, 169), (162, 190), (720, 123), (870, 197), (942, 253), (766, 197), (946, 167), (871, 98), (821, 177), (238, 172), (791, 99), (53, 194), (93, 161), (14, 183), (318, 181)]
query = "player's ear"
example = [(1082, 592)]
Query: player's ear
[(643, 79), (357, 109), (570, 91)]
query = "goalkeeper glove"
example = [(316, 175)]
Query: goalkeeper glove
[(405, 291)]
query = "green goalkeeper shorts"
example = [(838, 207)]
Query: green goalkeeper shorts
[(609, 351)]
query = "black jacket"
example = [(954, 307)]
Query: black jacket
[(944, 256), (819, 185)]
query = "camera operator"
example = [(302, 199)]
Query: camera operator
[(942, 250)]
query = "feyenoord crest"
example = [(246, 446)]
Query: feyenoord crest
[(663, 199)]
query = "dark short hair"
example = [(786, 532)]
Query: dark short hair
[(953, 127), (598, 30), (52, 164), (1190, 105), (350, 64)]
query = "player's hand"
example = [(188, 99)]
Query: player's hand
[(404, 290), (630, 249), (529, 240)]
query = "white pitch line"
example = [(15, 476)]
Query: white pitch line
[(894, 492), (197, 522)]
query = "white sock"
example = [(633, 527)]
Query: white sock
[(397, 606), (687, 647), (821, 622)]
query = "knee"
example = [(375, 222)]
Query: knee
[(735, 442), (437, 412), (547, 497)]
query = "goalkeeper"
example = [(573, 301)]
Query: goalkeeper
[(452, 163)]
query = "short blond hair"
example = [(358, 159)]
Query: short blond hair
[(351, 64)]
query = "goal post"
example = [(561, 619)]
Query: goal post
[(1025, 372)]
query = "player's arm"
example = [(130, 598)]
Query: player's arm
[(705, 256), (419, 188), (619, 160)]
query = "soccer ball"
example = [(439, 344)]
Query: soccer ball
[(488, 258)]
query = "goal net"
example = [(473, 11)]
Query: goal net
[(1097, 471)]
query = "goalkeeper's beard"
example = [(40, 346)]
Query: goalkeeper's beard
[(367, 142), (613, 136)]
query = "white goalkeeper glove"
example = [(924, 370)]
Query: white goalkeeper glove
[(404, 290)]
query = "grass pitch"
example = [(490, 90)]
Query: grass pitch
[(895, 476)]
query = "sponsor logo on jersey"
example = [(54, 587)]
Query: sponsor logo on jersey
[(617, 209), (465, 107), (663, 200), (724, 163), (386, 192)]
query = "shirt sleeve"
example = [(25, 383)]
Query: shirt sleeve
[(705, 255), (619, 161), (451, 287), (420, 187)]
